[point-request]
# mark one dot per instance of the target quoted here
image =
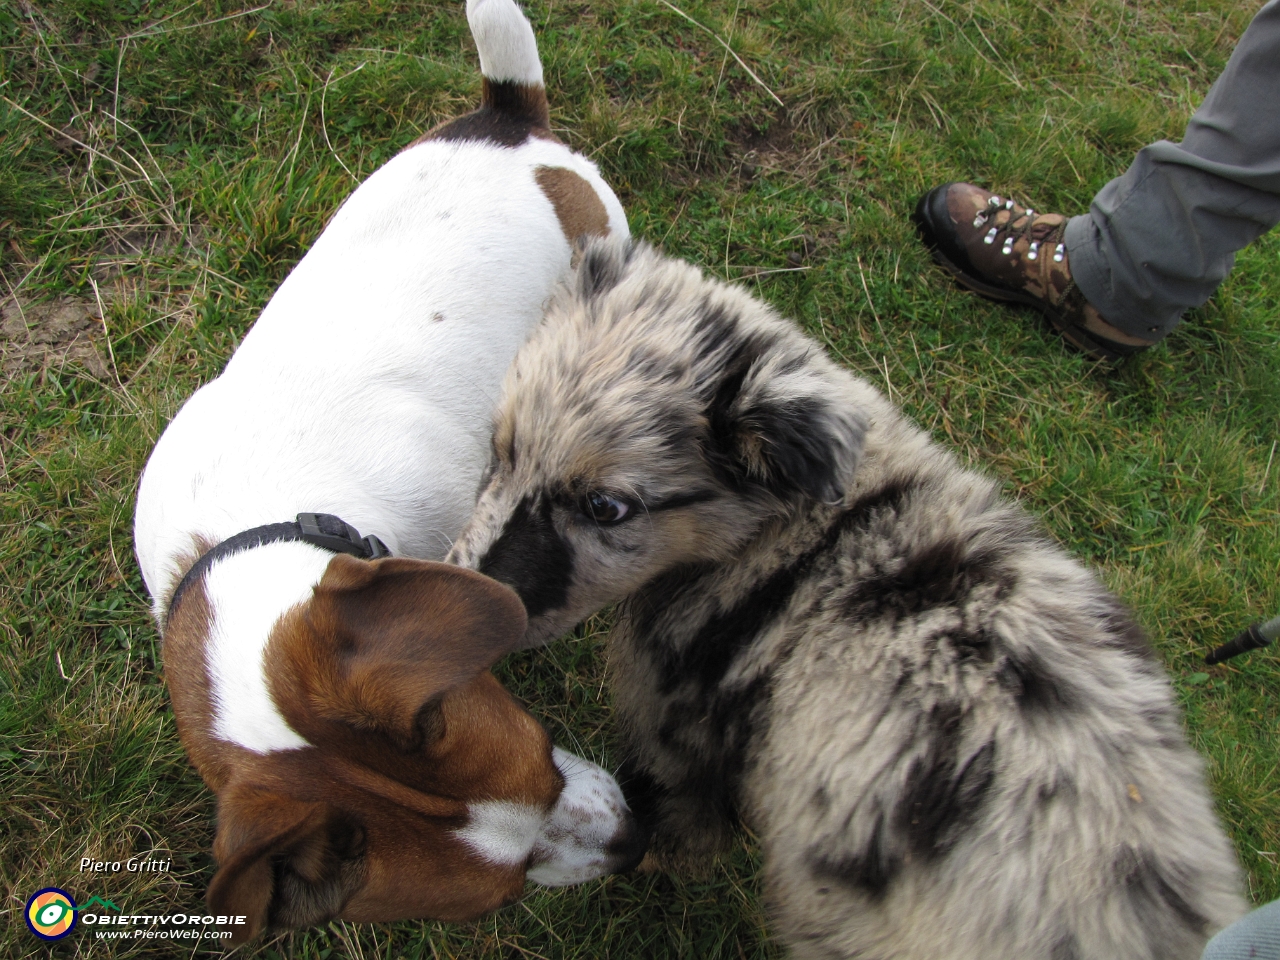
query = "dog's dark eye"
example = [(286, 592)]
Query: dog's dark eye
[(604, 509)]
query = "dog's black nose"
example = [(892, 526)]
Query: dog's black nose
[(627, 847), (531, 558)]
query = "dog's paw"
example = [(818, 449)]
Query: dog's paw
[(650, 864), (690, 854), (679, 863)]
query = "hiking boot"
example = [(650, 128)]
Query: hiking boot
[(1008, 252)]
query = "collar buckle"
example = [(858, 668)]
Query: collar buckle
[(322, 530), (333, 533)]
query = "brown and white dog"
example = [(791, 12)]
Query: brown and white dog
[(367, 765)]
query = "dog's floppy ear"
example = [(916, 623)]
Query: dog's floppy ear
[(602, 262), (282, 861), (776, 420), (387, 637)]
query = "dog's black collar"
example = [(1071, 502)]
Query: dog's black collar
[(318, 529)]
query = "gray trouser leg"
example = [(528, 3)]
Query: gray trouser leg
[(1256, 936), (1158, 240)]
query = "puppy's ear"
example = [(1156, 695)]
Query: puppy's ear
[(283, 862), (384, 639), (602, 264), (776, 420)]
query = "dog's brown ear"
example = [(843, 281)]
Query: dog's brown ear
[(777, 421), (386, 638), (282, 861)]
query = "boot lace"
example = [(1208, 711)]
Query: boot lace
[(1018, 225)]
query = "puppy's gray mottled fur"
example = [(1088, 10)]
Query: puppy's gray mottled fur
[(952, 741)]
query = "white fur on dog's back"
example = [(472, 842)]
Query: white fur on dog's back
[(504, 39), (364, 388)]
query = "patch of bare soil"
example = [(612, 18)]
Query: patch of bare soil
[(128, 246), (784, 149), (37, 336), (756, 149)]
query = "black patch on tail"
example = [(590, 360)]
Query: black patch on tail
[(524, 102), (509, 114), (942, 798), (531, 558), (869, 872), (943, 795), (1033, 685)]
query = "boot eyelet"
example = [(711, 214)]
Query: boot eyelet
[(1059, 253), (990, 237), (1008, 246), (1034, 250)]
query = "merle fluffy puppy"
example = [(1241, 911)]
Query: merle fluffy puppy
[(952, 741)]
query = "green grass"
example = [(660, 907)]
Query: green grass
[(214, 145)]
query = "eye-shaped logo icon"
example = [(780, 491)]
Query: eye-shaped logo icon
[(51, 913)]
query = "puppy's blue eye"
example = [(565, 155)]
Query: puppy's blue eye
[(603, 508)]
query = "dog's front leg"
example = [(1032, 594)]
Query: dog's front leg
[(683, 745), (690, 824)]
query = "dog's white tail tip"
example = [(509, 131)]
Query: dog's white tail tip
[(504, 38)]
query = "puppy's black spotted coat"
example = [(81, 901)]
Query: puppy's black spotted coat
[(952, 741)]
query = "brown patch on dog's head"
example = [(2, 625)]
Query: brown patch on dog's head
[(379, 642), (578, 206), (385, 673)]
